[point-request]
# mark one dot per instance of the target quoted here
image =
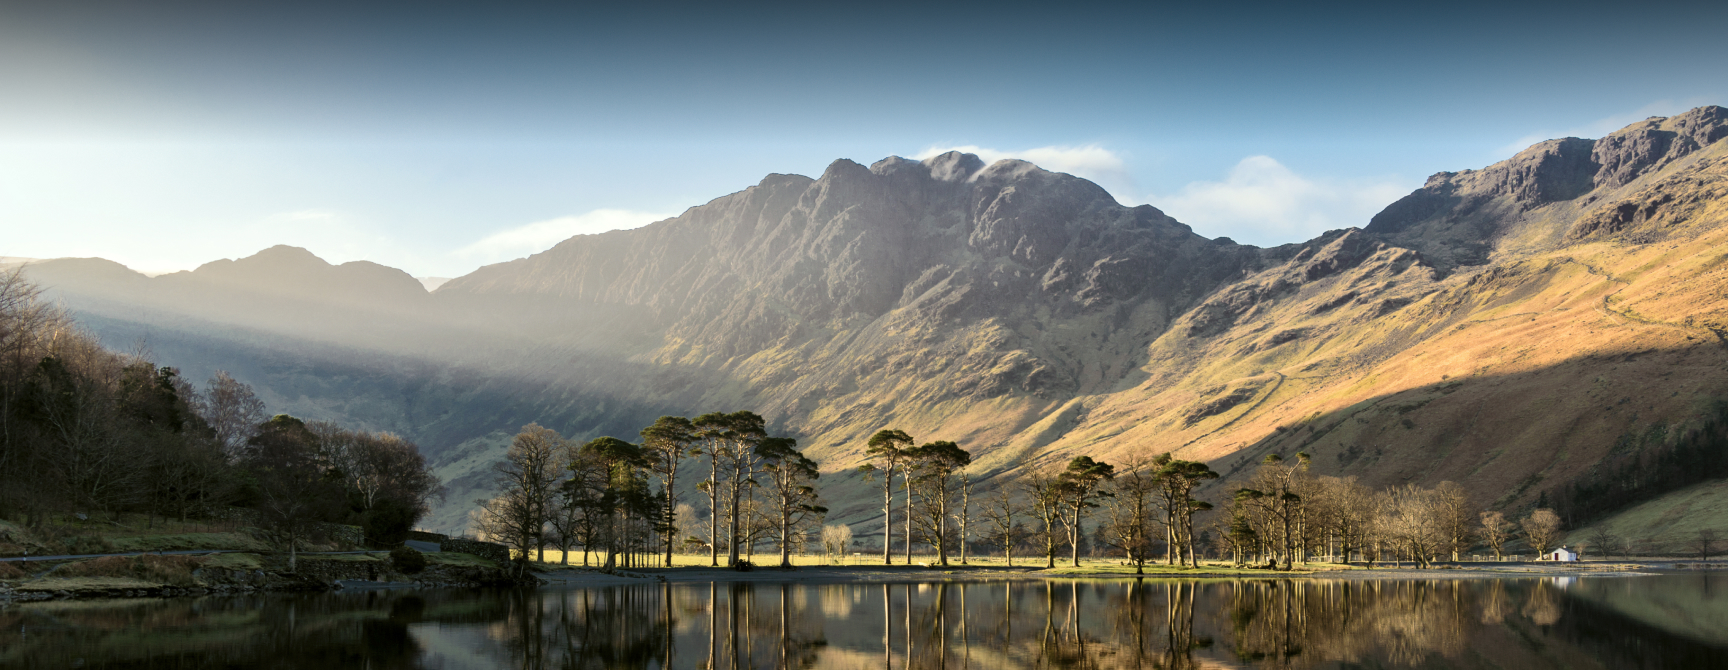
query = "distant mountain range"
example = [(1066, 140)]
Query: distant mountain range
[(1519, 329)]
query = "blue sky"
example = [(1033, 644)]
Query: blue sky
[(437, 137)]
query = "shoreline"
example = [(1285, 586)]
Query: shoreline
[(99, 588), (578, 577)]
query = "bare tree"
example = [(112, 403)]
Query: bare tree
[(232, 410), (1456, 516), (1345, 509), (1410, 521), (1045, 494), (836, 540), (1001, 511), (1606, 542), (526, 479), (1496, 530), (1275, 495), (1706, 544), (1129, 512), (1542, 530)]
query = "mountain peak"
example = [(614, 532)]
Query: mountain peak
[(953, 166), (1457, 216)]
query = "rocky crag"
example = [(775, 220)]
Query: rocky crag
[(1519, 329)]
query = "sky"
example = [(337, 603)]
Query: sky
[(437, 137)]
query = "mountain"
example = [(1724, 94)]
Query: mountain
[(1532, 329)]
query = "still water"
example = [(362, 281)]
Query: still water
[(1666, 621)]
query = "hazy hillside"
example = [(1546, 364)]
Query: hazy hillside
[(1519, 328)]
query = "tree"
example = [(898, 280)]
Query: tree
[(1176, 481), (1705, 543), (668, 442), (1130, 511), (1276, 493), (233, 412), (1542, 530), (1046, 495), (83, 452), (933, 467), (888, 447), (1345, 510), (387, 524), (1496, 530), (1455, 514), (1605, 542), (1240, 533), (585, 505), (525, 479), (1410, 519), (792, 495), (963, 518), (385, 468), (624, 501), (729, 439), (1001, 510), (1079, 488), (836, 539), (293, 493)]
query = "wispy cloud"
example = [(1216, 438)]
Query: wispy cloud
[(1091, 162), (1262, 202), (1599, 127), (541, 235)]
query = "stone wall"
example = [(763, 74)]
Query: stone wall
[(489, 550), (350, 535)]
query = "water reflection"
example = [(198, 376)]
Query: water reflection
[(1647, 622)]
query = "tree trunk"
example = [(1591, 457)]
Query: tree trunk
[(1074, 536), (907, 503), (888, 518)]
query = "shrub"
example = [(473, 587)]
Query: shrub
[(88, 544), (407, 560), (10, 570), (387, 523), (743, 566)]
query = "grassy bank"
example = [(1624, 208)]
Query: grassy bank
[(106, 535)]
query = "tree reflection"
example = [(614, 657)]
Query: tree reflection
[(1140, 624)]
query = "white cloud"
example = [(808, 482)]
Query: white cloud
[(1264, 203), (1091, 162), (1599, 127), (541, 235)]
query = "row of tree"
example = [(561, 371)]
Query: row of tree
[(624, 498), (84, 429), (1286, 515)]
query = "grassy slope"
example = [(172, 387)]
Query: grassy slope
[(1670, 520), (1511, 379)]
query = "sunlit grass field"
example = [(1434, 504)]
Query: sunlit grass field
[(1064, 565)]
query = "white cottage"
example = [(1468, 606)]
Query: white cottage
[(1561, 554)]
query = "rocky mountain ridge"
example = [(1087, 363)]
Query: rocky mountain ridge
[(1471, 331)]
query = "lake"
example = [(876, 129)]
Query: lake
[(1662, 621)]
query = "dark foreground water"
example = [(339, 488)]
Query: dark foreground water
[(1669, 621)]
